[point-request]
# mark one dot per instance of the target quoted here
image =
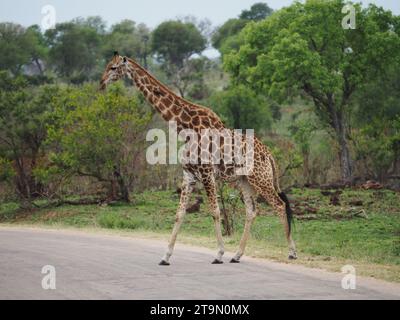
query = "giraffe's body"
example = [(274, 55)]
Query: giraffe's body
[(262, 180)]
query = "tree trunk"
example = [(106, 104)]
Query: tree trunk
[(334, 116), (346, 166), (306, 166), (38, 65), (345, 160), (339, 125), (122, 186), (396, 157)]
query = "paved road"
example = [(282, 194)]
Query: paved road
[(93, 266)]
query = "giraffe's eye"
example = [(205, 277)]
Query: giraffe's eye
[(113, 68)]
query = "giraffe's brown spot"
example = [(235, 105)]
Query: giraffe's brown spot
[(162, 91), (196, 121), (161, 106), (167, 102), (168, 115), (202, 113), (141, 73), (176, 110), (185, 116), (192, 112), (205, 122), (159, 92)]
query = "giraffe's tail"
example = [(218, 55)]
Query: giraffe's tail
[(289, 212)]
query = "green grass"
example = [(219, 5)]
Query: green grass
[(371, 242)]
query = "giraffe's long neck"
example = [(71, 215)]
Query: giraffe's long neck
[(168, 104)]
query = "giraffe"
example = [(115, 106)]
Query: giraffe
[(262, 180)]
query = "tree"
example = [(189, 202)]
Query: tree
[(241, 108), (226, 32), (20, 46), (258, 11), (98, 135), (377, 119), (23, 120), (129, 39), (36, 47), (75, 48), (226, 37), (174, 43), (303, 49)]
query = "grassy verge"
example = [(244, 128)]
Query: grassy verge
[(329, 238)]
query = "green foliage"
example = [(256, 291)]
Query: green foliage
[(229, 29), (303, 49), (241, 108), (74, 48), (23, 117), (36, 47), (120, 221), (175, 42), (377, 116), (289, 160), (98, 135), (6, 170), (20, 46), (129, 39), (378, 146), (302, 131), (226, 38), (258, 11)]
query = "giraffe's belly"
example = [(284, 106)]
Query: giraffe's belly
[(227, 173)]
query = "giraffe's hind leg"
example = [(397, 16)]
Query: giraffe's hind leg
[(248, 193), (210, 187), (267, 190)]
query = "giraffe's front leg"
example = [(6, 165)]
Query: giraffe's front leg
[(187, 189), (210, 186)]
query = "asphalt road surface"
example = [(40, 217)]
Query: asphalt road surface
[(96, 266)]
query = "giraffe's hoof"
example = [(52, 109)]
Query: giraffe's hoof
[(292, 257), (235, 261), (216, 261), (164, 263)]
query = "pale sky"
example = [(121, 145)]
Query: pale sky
[(150, 12)]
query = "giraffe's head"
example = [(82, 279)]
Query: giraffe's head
[(115, 70)]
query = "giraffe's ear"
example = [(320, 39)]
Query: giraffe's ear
[(125, 60)]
